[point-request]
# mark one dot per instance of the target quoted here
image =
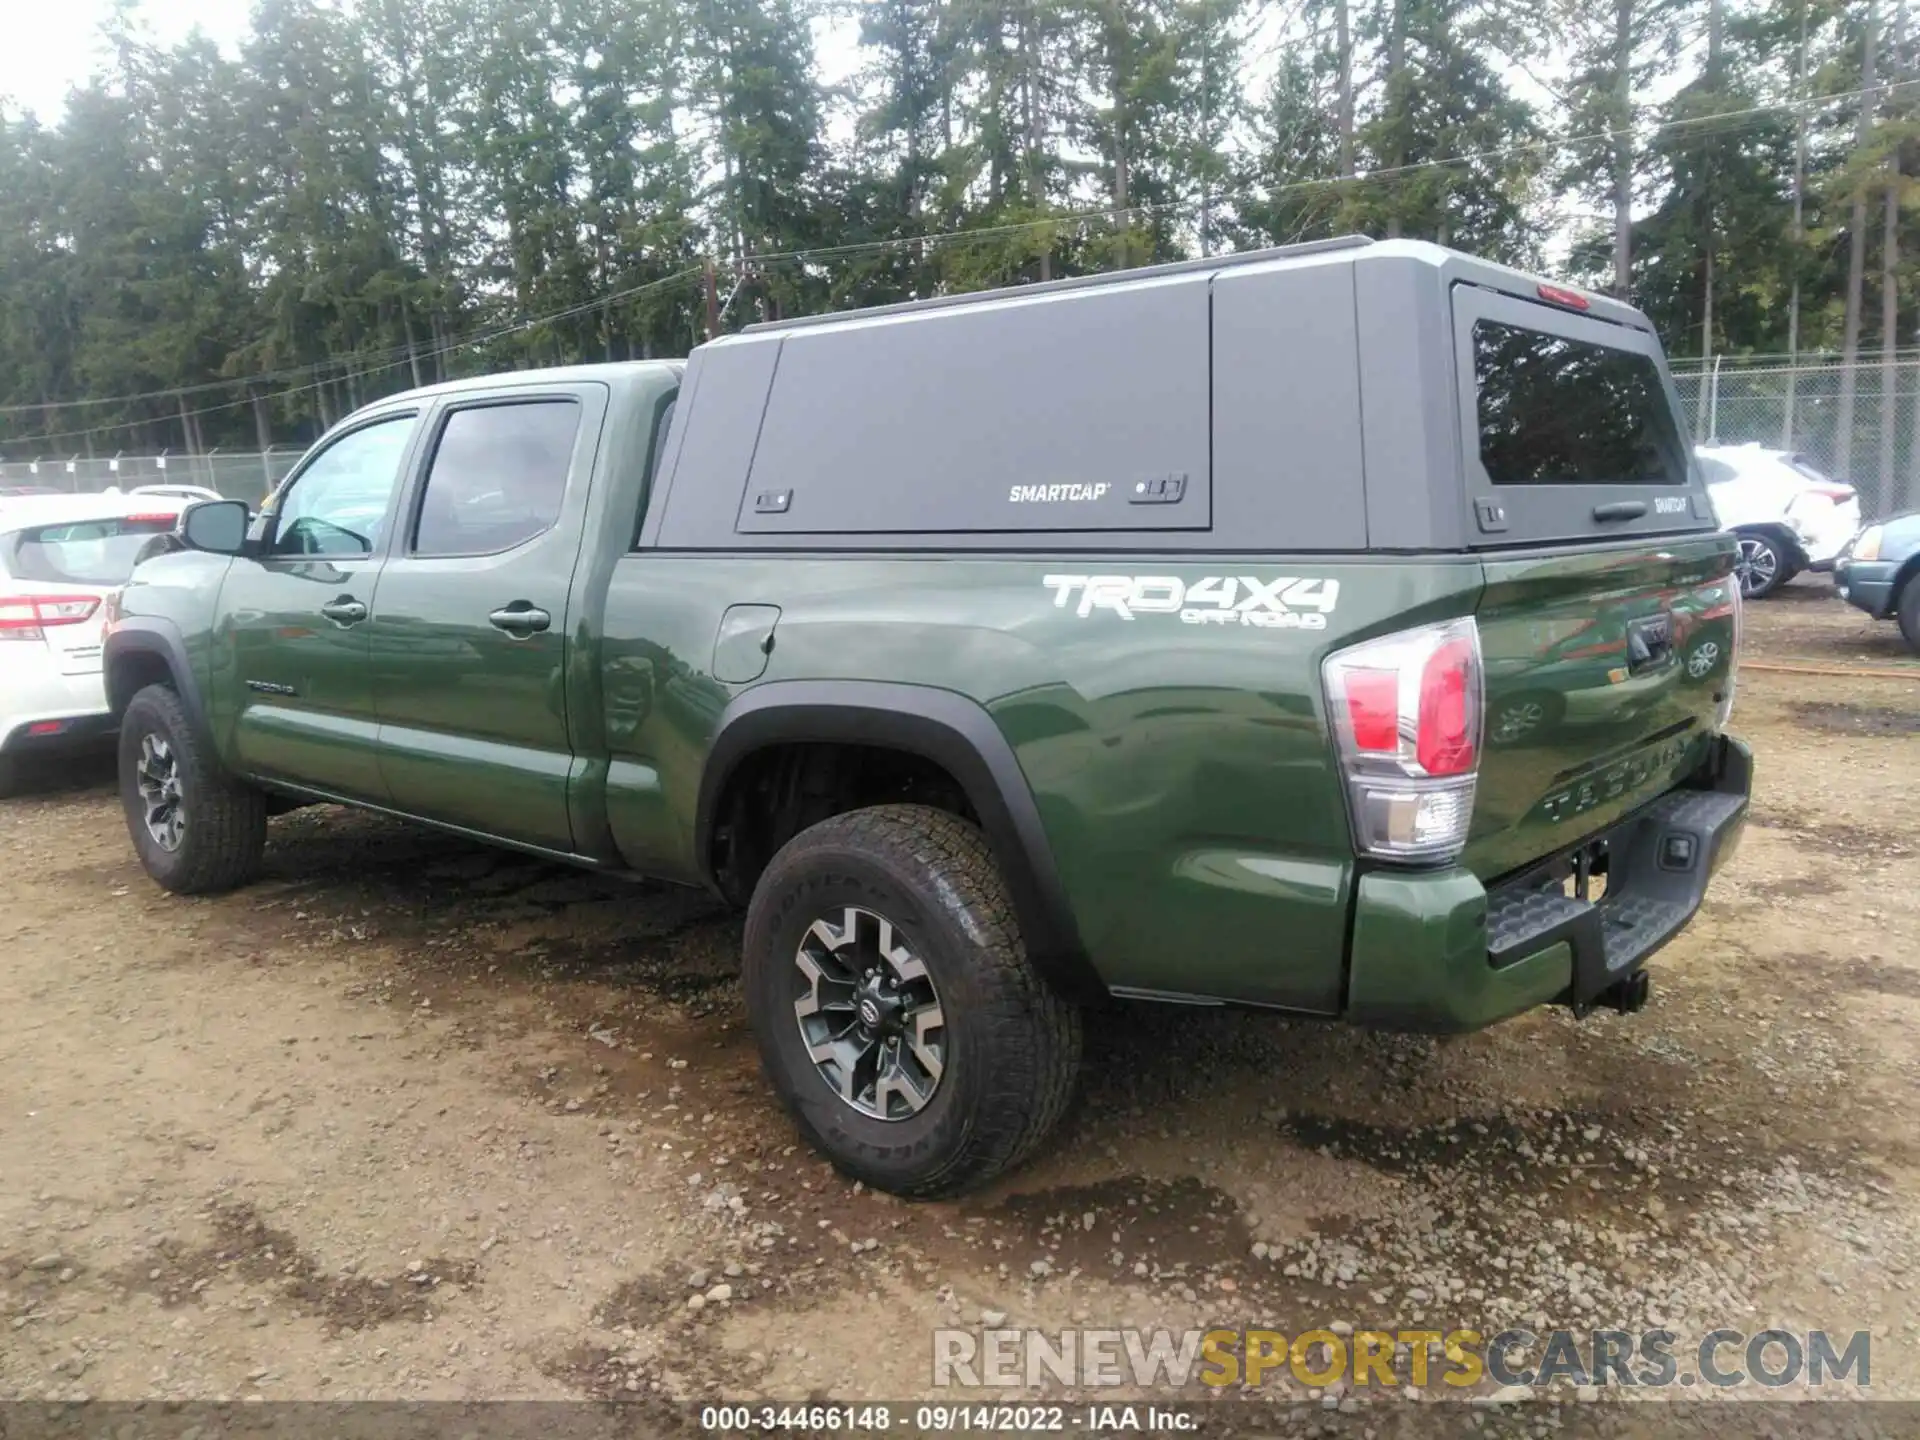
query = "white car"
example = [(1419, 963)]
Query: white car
[(178, 492), (1788, 515), (60, 557)]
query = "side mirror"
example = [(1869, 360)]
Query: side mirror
[(216, 526)]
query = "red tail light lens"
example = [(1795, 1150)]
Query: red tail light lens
[(26, 617), (1406, 710), (1448, 741), (1373, 710)]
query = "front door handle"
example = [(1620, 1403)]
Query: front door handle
[(344, 611), (520, 619)]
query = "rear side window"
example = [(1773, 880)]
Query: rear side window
[(498, 477), (1560, 411), (1716, 472), (88, 552)]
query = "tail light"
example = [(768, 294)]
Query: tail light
[(1406, 711), (28, 617)]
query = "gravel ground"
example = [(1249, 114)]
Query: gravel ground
[(410, 1119)]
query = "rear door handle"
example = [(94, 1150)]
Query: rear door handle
[(1620, 510), (344, 611), (520, 619)]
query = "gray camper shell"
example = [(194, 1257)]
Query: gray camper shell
[(1344, 396)]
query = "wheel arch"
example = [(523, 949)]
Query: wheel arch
[(142, 651), (941, 727)]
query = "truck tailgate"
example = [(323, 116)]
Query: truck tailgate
[(1604, 673)]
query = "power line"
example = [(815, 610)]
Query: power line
[(469, 343), (1385, 172), (936, 238), (367, 360)]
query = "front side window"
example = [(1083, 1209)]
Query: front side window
[(1555, 411), (498, 476), (337, 506)]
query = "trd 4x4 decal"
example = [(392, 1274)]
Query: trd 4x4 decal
[(1286, 603)]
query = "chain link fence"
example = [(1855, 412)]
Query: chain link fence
[(1803, 408), (240, 475), (1859, 423)]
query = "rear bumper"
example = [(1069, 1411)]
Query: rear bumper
[(1867, 585), (1437, 951), (38, 735)]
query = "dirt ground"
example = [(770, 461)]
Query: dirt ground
[(414, 1119)]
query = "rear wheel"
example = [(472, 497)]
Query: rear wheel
[(1909, 613), (1764, 565), (9, 777), (897, 1014), (195, 828)]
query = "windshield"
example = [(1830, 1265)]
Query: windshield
[(83, 552), (1555, 411)]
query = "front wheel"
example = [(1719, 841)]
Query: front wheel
[(195, 828), (897, 1014)]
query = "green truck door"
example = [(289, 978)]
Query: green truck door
[(469, 634), (292, 620)]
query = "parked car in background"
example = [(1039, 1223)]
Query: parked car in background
[(1788, 515), (1879, 572), (12, 492), (60, 557)]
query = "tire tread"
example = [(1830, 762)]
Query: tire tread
[(227, 819), (1032, 1032)]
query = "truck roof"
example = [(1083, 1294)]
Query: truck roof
[(610, 372)]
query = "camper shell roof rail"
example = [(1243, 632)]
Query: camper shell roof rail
[(1073, 282)]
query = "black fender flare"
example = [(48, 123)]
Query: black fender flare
[(150, 637), (955, 733)]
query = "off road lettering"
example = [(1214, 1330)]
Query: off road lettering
[(1286, 602)]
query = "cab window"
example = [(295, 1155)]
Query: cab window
[(337, 506), (498, 477)]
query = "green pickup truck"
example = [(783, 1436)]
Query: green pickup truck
[(1339, 629)]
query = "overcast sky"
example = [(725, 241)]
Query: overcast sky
[(49, 45)]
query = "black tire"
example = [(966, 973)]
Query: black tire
[(1907, 609), (9, 777), (223, 822), (1011, 1044), (1766, 563)]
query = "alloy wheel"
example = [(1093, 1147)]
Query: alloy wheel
[(158, 776), (869, 1015), (1759, 565), (1517, 720)]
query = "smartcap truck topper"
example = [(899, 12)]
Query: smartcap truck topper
[(1340, 629)]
